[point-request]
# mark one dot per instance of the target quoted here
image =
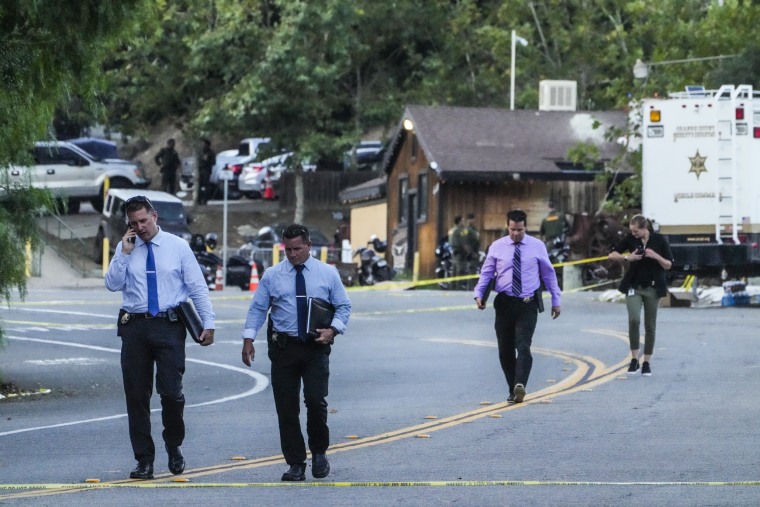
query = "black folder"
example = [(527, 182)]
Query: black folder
[(487, 292), (320, 316), (538, 296), (190, 318)]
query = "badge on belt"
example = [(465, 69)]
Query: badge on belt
[(125, 318)]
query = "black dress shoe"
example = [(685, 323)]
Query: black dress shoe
[(176, 460), (144, 470), (320, 467), (295, 473), (519, 393)]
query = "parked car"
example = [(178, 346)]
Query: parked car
[(260, 247), (98, 148), (73, 174), (172, 217), (107, 151), (368, 155), (253, 176), (234, 160)]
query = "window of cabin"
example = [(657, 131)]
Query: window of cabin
[(422, 197), (403, 199), (414, 147)]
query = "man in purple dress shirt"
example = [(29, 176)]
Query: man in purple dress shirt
[(517, 264)]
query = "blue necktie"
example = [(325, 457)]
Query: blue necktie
[(301, 306), (150, 272), (516, 275)]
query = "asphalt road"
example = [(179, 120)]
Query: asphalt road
[(417, 410)]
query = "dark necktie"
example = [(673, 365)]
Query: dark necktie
[(150, 271), (301, 305), (516, 275)]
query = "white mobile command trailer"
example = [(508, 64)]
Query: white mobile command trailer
[(701, 177)]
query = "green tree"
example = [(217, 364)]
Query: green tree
[(331, 69), (49, 52)]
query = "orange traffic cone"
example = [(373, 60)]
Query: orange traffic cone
[(268, 189), (254, 283), (219, 278)]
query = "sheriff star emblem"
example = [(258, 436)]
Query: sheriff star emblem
[(697, 164)]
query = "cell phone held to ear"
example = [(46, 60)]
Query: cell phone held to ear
[(132, 239)]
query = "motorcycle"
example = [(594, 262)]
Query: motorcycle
[(559, 252), (445, 267), (206, 260), (372, 268), (208, 263)]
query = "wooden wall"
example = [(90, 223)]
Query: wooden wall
[(490, 203)]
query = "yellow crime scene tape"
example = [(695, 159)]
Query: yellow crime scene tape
[(420, 283)]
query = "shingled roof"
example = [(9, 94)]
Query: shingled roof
[(488, 144)]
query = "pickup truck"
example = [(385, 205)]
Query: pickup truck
[(75, 175), (172, 217)]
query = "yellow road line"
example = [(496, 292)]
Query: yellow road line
[(585, 366), (374, 484)]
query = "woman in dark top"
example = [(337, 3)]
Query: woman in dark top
[(647, 255)]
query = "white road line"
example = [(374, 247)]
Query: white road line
[(85, 314), (261, 383), (67, 361)]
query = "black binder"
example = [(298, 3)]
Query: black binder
[(190, 318), (320, 316), (487, 292), (539, 298)]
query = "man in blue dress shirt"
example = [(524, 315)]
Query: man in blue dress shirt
[(295, 355), (155, 271), (517, 263)]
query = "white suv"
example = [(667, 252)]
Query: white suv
[(172, 217), (71, 173)]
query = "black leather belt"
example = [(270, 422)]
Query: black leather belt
[(284, 336), (146, 315), (515, 298)]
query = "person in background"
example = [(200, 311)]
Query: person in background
[(517, 264), (155, 271), (470, 240), (296, 356), (168, 160), (553, 225), (647, 255), (457, 252), (206, 161), (455, 229)]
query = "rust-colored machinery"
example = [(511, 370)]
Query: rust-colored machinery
[(591, 237)]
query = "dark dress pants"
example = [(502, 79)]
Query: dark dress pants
[(311, 362), (204, 190), (145, 343), (169, 181), (515, 324)]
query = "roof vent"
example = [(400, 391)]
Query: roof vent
[(556, 95)]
